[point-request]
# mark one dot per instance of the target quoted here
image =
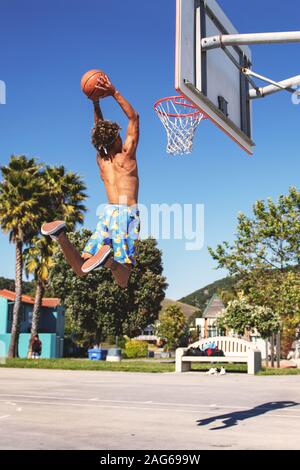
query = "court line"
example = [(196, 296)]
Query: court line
[(101, 400), (94, 405), (4, 416)]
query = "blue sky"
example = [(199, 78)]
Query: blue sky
[(44, 52)]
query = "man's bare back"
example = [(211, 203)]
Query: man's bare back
[(120, 177), (118, 170)]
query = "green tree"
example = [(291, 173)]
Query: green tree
[(281, 292), (31, 194), (96, 307), (172, 326), (227, 295), (21, 193), (146, 289), (265, 256), (237, 316), (242, 317), (265, 321), (66, 193), (270, 240), (7, 284), (38, 260)]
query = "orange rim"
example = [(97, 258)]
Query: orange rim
[(174, 99)]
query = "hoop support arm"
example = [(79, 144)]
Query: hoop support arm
[(275, 87), (213, 42)]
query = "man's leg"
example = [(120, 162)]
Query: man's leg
[(71, 254), (120, 272), (124, 234), (56, 230), (81, 263)]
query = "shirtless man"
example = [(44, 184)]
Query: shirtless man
[(113, 244)]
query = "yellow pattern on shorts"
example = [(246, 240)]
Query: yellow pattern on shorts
[(118, 226)]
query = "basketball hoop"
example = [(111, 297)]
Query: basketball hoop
[(180, 118)]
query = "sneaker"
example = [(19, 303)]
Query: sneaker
[(222, 371), (97, 260), (53, 229)]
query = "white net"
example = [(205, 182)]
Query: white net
[(180, 118)]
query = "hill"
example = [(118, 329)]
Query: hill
[(187, 309), (200, 297), (28, 287)]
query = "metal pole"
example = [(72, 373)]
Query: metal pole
[(267, 352), (286, 85), (262, 77), (272, 350), (224, 40), (278, 348)]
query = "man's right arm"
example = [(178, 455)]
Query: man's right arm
[(132, 135), (98, 116)]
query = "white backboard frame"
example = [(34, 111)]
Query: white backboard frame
[(211, 78)]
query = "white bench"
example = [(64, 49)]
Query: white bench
[(236, 350)]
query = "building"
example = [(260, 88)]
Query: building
[(148, 334), (206, 325), (51, 326)]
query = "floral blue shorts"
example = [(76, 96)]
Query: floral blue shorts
[(118, 226)]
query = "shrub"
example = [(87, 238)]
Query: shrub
[(135, 348), (122, 341)]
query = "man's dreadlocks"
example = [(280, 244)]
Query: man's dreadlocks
[(104, 135)]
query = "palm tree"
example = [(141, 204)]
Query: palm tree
[(65, 196), (20, 212), (66, 193), (38, 260)]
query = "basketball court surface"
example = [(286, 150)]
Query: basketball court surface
[(48, 409), (216, 81)]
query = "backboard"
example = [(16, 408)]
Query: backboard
[(212, 79)]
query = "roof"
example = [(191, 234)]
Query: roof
[(26, 299), (213, 308), (188, 310)]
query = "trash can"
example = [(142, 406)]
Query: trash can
[(103, 354), (114, 355), (97, 354)]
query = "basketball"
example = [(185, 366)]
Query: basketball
[(89, 82)]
